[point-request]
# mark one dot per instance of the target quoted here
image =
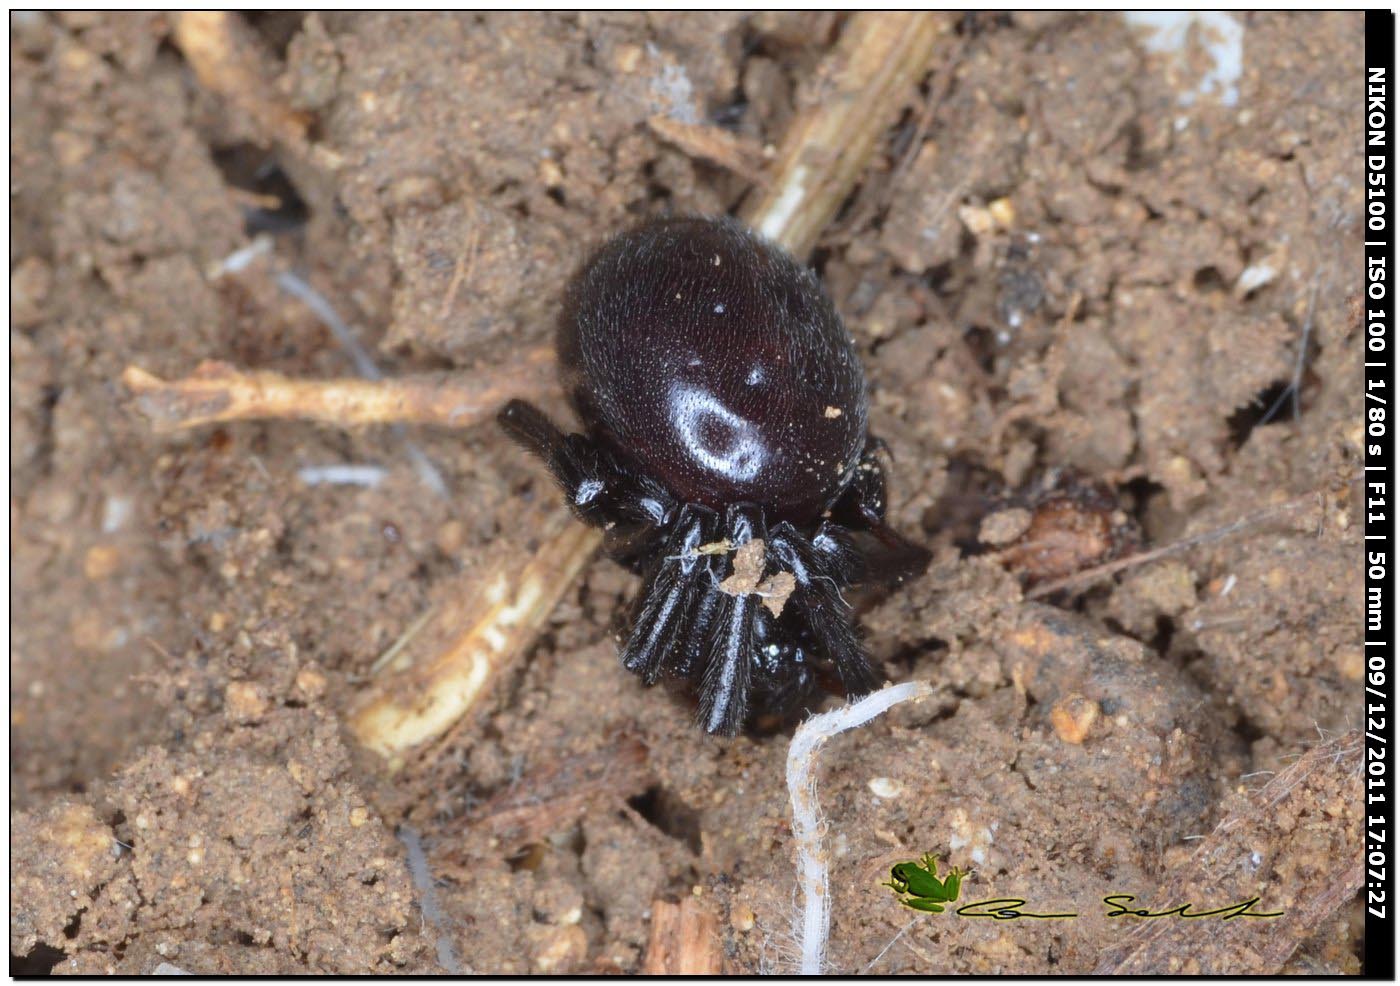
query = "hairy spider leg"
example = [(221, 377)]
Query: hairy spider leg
[(724, 691), (861, 507), (666, 605), (692, 650), (600, 490), (822, 567)]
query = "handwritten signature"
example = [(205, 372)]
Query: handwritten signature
[(1229, 912), (1010, 909)]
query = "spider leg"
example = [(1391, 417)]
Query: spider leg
[(599, 488), (724, 691), (861, 507), (692, 650), (821, 567), (665, 609)]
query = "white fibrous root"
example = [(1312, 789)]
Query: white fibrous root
[(807, 824)]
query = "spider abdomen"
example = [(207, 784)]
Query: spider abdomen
[(718, 364)]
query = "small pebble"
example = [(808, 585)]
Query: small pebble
[(243, 701), (977, 220), (1004, 526), (100, 561), (310, 683), (885, 787), (1073, 716), (626, 58), (561, 948), (1003, 212), (450, 537), (1350, 662)]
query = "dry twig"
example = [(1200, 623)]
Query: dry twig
[(217, 392), (553, 797), (487, 628), (713, 144), (229, 61), (868, 80), (684, 940)]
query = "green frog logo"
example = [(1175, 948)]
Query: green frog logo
[(917, 885)]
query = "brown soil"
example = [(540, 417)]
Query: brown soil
[(1042, 272)]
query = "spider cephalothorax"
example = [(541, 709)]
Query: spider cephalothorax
[(726, 456)]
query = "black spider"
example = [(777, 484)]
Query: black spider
[(726, 457)]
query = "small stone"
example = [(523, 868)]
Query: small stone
[(1182, 479), (559, 948), (310, 683), (1003, 212), (1073, 716), (885, 787), (551, 175), (450, 537), (300, 775), (244, 702), (1350, 662), (101, 561), (416, 191), (627, 58), (359, 815), (977, 220), (1004, 526)]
